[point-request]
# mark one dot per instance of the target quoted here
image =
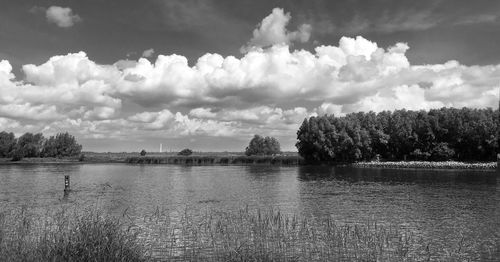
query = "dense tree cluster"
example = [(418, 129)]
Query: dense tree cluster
[(263, 146), (440, 134), (35, 145), (63, 144)]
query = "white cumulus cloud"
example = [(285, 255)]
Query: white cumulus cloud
[(62, 16), (272, 30)]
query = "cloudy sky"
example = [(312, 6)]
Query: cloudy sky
[(126, 75)]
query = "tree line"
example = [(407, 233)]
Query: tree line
[(440, 134), (36, 145)]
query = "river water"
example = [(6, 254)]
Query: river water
[(439, 205)]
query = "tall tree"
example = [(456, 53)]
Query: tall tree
[(7, 144), (30, 145)]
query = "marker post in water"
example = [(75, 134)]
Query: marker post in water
[(66, 183)]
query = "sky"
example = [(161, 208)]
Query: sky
[(208, 75)]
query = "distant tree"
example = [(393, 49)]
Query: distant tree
[(256, 146), (263, 146), (271, 146), (143, 152), (185, 152), (7, 144), (29, 145), (61, 145)]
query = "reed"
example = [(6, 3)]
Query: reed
[(66, 235), (216, 160), (273, 236), (212, 235)]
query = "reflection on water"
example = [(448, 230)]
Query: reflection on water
[(441, 206), (404, 175)]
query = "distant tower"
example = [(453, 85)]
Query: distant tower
[(161, 145)]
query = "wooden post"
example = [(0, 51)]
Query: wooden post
[(66, 183)]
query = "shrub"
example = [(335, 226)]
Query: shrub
[(442, 152), (185, 152), (417, 154), (143, 152)]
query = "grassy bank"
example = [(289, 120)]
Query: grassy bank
[(427, 164), (216, 160), (66, 236), (37, 160), (214, 236)]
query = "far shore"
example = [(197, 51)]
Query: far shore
[(289, 159)]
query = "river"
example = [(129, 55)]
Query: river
[(440, 206)]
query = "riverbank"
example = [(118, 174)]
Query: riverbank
[(427, 164), (40, 160), (235, 159), (86, 157)]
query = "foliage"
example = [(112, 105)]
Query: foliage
[(143, 152), (35, 145), (417, 154), (63, 144), (30, 145), (17, 155), (440, 134), (263, 146), (7, 144), (441, 152), (185, 152)]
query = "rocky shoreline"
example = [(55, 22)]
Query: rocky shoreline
[(428, 164)]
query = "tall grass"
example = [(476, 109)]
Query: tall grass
[(273, 236), (66, 236), (211, 235)]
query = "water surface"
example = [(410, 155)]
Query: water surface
[(441, 206)]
